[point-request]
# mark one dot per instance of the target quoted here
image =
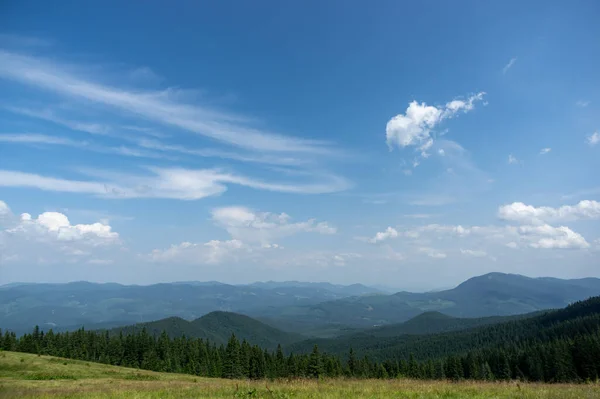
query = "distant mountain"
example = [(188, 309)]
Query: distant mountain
[(218, 327), (488, 295), (345, 290), (72, 305)]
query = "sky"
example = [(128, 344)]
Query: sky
[(411, 145)]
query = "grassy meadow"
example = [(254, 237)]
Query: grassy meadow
[(31, 376)]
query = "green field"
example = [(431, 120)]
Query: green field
[(31, 376)]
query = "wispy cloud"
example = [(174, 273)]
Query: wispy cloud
[(159, 106), (582, 103), (49, 115), (41, 139), (173, 183), (509, 65), (544, 151)]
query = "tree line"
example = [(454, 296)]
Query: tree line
[(564, 348)]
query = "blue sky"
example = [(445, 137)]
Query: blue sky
[(412, 145)]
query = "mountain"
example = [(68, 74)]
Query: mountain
[(345, 290), (427, 323), (72, 305), (491, 294), (218, 327), (579, 319)]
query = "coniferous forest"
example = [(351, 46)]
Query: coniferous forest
[(559, 346)]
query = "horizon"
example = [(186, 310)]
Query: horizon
[(272, 144), (382, 288)]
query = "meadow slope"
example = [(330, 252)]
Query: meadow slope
[(31, 376)]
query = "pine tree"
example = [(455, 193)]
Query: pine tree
[(315, 367)]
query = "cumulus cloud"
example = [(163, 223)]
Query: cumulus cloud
[(264, 227), (548, 237), (593, 139), (252, 235), (414, 127), (51, 235), (522, 213), (390, 232)]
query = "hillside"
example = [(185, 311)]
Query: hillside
[(218, 327), (581, 318), (28, 376), (494, 294)]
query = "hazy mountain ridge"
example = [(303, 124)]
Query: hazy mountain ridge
[(488, 295), (314, 309)]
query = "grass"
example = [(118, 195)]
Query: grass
[(32, 376)]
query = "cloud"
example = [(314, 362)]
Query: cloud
[(548, 237), (414, 127), (51, 235), (432, 253), (49, 115), (512, 159), (164, 107), (390, 232), (473, 253), (40, 139), (252, 236), (173, 183), (264, 227), (544, 151), (593, 139), (582, 103), (509, 65), (522, 213)]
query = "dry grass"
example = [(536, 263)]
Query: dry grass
[(31, 376)]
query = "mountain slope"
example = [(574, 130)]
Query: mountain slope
[(487, 295), (580, 318), (217, 327)]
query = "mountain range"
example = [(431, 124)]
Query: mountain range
[(309, 309)]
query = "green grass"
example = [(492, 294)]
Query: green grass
[(32, 376)]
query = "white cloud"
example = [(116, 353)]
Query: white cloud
[(32, 138), (548, 237), (174, 183), (582, 103), (593, 139), (164, 107), (211, 252), (509, 65), (512, 245), (545, 151), (414, 127), (51, 235), (264, 227), (512, 159), (522, 213), (390, 232), (473, 253), (432, 253)]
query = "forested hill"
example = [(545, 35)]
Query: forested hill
[(493, 294), (217, 327), (579, 319), (557, 346)]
